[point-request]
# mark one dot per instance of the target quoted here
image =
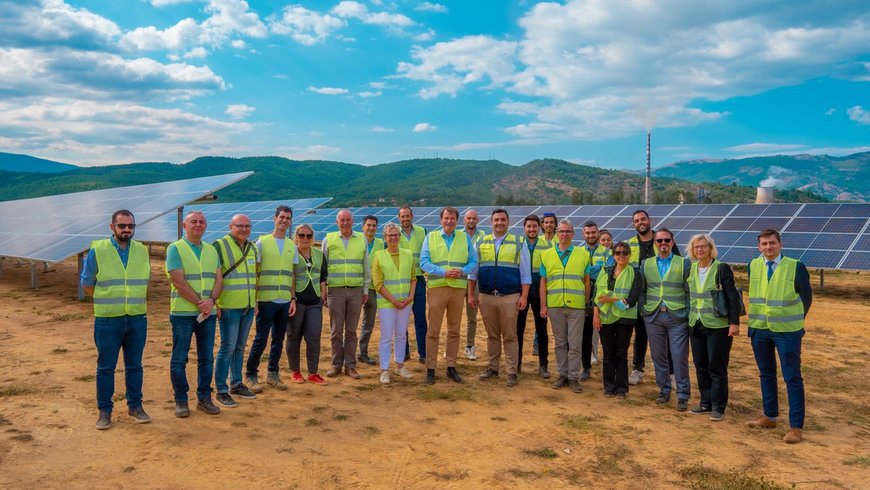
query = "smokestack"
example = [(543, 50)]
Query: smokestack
[(647, 192), (764, 195)]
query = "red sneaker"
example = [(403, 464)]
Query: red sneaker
[(297, 377), (316, 379)]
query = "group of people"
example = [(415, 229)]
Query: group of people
[(642, 286)]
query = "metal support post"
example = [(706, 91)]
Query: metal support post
[(34, 279), (822, 279), (80, 260)]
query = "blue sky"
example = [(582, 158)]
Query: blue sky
[(92, 82)]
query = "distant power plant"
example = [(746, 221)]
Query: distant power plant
[(764, 195), (647, 191)]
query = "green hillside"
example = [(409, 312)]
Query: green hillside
[(13, 162), (421, 181)]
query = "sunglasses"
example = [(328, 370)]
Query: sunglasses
[(125, 226), (304, 235), (622, 252), (663, 240)]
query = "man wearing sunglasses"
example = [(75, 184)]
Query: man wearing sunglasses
[(664, 301), (116, 273)]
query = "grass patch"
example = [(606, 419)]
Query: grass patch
[(449, 475), (59, 350), (518, 473), (313, 423), (68, 317), (319, 408), (705, 478), (857, 461), (15, 390), (371, 430), (239, 424), (366, 387), (498, 419), (22, 438), (129, 469), (580, 422), (341, 417), (544, 452), (284, 450), (448, 394), (85, 377)]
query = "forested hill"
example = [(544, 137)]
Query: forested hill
[(421, 181)]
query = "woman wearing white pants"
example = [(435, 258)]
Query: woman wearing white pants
[(393, 278)]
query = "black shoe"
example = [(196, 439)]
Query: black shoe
[(423, 360), (452, 374), (208, 407), (682, 405), (489, 373), (226, 400), (242, 391), (512, 380), (662, 399), (543, 372), (700, 409), (430, 376), (584, 375), (609, 394), (105, 420), (366, 359), (621, 395), (182, 411), (407, 357), (139, 415), (561, 382), (519, 368), (575, 386)]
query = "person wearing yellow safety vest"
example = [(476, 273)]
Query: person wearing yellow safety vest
[(780, 296), (617, 291), (370, 309), (448, 257), (195, 273), (116, 272), (347, 290), (711, 335), (642, 247), (536, 246), (476, 235), (598, 259), (276, 300), (664, 305), (393, 277), (411, 238), (549, 220), (503, 276), (566, 284), (311, 276)]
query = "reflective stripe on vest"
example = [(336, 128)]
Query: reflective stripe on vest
[(198, 273), (700, 299), (670, 289), (120, 290), (396, 280), (276, 269), (541, 246), (565, 285), (621, 289), (455, 257), (774, 305), (240, 286), (345, 266), (418, 234), (304, 277), (501, 272), (634, 256)]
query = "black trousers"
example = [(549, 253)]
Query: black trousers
[(615, 338), (711, 350), (640, 344), (540, 331), (586, 342)]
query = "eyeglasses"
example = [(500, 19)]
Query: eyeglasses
[(125, 226), (392, 235), (242, 227), (622, 252), (564, 231), (663, 240), (304, 235)]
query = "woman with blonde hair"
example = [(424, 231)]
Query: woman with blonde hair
[(711, 334), (307, 323)]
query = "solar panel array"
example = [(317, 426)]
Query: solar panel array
[(52, 228), (825, 236), (165, 228)]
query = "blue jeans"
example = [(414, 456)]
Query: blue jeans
[(235, 326), (110, 335), (669, 335), (184, 328), (271, 317), (419, 310), (765, 346)]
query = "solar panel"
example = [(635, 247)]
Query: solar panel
[(68, 223)]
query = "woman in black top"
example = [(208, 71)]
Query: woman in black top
[(307, 323)]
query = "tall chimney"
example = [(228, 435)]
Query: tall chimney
[(647, 191), (764, 195)]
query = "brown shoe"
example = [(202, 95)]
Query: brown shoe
[(333, 372), (350, 372), (763, 422), (793, 436)]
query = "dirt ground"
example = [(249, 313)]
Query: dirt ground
[(359, 434)]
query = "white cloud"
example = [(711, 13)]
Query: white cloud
[(370, 94), (304, 26), (424, 128), (238, 44), (425, 36), (239, 111), (356, 10), (163, 3), (378, 85), (859, 115), (328, 90), (381, 129), (197, 52), (54, 23), (431, 7), (764, 148), (830, 112)]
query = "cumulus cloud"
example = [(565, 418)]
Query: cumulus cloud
[(370, 94), (197, 52), (859, 115), (594, 69), (328, 90), (381, 129), (424, 127), (830, 112), (31, 24), (238, 44), (431, 7), (304, 26), (239, 111), (357, 10)]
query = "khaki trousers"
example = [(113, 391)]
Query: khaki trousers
[(500, 319), (450, 300)]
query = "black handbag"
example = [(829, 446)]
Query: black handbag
[(720, 299)]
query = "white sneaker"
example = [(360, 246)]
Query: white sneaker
[(385, 378), (635, 378), (405, 373), (470, 353)]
